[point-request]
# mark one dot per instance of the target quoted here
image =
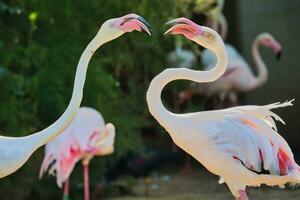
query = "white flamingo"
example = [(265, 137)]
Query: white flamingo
[(239, 144), (15, 151), (87, 136)]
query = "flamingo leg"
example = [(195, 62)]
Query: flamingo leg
[(242, 195), (233, 98), (86, 182), (222, 97), (66, 190)]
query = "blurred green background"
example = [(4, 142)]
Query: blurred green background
[(41, 42)]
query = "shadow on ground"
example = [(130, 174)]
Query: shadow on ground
[(199, 185)]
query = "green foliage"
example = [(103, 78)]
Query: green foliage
[(40, 44)]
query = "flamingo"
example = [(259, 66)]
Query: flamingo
[(239, 144), (15, 151), (87, 136)]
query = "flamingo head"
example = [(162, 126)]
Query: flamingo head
[(202, 35), (116, 27), (269, 41), (105, 144)]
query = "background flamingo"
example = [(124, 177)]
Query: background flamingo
[(87, 136), (216, 19), (14, 152), (240, 144), (238, 76)]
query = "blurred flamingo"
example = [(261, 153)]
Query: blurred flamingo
[(240, 144), (238, 72), (87, 136), (216, 19), (238, 76), (15, 151)]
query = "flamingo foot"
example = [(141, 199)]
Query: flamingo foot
[(242, 195)]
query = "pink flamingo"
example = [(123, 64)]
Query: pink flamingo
[(239, 144), (238, 76), (87, 136)]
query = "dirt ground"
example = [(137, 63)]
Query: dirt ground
[(199, 185)]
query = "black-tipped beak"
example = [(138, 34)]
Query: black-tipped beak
[(147, 25), (278, 55)]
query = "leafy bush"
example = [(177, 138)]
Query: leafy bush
[(40, 44)]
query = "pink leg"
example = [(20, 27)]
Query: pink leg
[(66, 190), (243, 195), (86, 182)]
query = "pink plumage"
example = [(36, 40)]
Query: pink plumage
[(84, 138)]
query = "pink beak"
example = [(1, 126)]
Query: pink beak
[(137, 23), (277, 49), (184, 26)]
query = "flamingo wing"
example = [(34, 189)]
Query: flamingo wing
[(245, 134), (264, 112)]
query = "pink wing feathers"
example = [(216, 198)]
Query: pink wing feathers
[(79, 138), (248, 134)]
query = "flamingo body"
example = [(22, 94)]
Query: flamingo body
[(236, 77), (239, 144), (86, 137), (243, 140)]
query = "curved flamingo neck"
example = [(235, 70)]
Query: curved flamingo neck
[(58, 126), (262, 72), (156, 107)]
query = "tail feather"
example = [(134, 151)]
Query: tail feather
[(264, 112)]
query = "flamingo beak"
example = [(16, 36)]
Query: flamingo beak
[(146, 28), (278, 55), (137, 23), (183, 26), (277, 49)]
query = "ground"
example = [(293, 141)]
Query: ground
[(199, 185)]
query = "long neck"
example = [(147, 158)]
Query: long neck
[(57, 127), (156, 107), (262, 73)]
